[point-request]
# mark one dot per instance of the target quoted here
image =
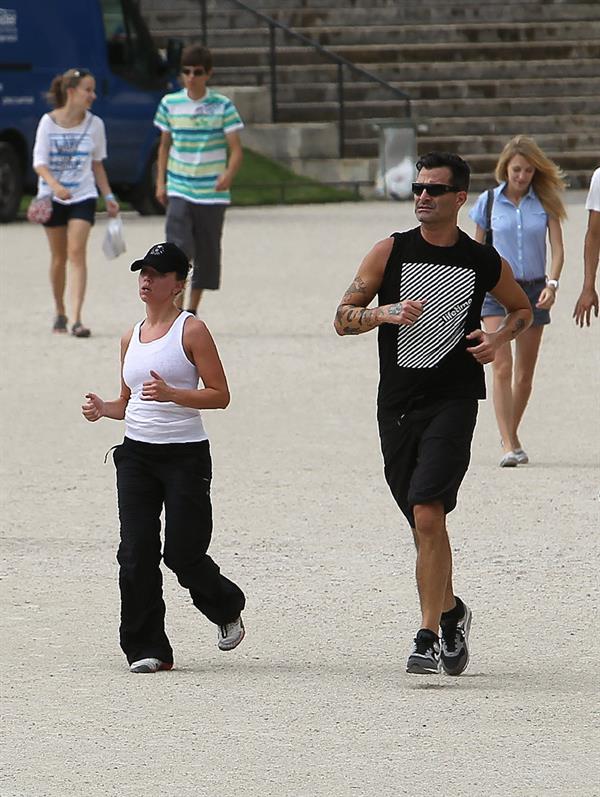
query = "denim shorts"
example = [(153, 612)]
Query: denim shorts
[(62, 214), (532, 288)]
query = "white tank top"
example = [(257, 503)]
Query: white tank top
[(161, 421)]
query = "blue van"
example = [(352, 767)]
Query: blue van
[(39, 40)]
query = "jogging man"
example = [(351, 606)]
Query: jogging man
[(431, 282)]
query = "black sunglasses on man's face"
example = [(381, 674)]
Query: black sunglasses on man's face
[(198, 72), (433, 189)]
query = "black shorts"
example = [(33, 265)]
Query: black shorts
[(426, 452), (62, 214)]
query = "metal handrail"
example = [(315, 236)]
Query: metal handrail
[(338, 59)]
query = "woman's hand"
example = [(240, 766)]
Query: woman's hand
[(60, 192), (93, 409), (546, 298), (112, 207), (156, 389)]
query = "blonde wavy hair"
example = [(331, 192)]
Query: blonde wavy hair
[(548, 179)]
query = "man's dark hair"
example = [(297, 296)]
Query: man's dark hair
[(461, 171), (196, 55)]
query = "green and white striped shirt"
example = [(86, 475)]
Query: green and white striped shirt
[(198, 153)]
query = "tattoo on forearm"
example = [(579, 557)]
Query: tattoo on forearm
[(518, 326), (353, 320)]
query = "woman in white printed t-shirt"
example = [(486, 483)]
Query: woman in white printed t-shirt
[(70, 145)]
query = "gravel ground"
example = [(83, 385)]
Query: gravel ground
[(316, 700)]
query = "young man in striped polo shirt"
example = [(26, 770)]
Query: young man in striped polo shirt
[(199, 155)]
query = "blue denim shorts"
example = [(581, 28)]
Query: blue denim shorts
[(532, 288)]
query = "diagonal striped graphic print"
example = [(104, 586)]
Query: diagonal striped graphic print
[(448, 291)]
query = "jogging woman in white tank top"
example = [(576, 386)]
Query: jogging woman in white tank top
[(164, 461)]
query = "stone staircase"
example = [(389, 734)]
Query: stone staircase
[(477, 72)]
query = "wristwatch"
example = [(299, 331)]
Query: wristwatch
[(552, 284)]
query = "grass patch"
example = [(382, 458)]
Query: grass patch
[(262, 181)]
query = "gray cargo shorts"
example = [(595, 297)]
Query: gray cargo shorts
[(197, 229)]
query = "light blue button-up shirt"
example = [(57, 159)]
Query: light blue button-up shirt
[(519, 232)]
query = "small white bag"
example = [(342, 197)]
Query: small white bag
[(113, 244)]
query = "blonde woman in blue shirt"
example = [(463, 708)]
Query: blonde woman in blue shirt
[(527, 211)]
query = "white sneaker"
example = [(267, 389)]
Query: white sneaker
[(231, 634), (149, 665), (522, 458)]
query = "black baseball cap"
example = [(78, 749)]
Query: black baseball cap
[(164, 258)]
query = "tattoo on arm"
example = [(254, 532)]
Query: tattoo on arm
[(358, 286), (518, 326), (395, 309), (352, 320)]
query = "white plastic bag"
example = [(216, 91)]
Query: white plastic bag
[(113, 244), (398, 180)]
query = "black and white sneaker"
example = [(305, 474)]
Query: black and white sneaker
[(425, 656), (455, 643)]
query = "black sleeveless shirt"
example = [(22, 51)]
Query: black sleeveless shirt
[(428, 359)]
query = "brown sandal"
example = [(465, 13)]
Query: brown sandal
[(80, 331)]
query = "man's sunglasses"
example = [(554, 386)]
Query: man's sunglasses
[(433, 189), (186, 70)]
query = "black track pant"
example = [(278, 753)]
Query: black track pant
[(176, 476)]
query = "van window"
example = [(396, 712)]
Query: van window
[(131, 51)]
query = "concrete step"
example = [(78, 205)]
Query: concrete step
[(484, 146), (490, 125), (230, 18), (578, 68), (429, 90), (416, 53), (283, 141), (342, 5), (581, 140), (426, 109), (252, 102), (355, 35), (492, 145), (334, 170)]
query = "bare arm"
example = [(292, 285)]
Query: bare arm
[(201, 350), (164, 146), (57, 188), (510, 294), (479, 234), (112, 206), (234, 161), (353, 317), (548, 294), (95, 408), (588, 298)]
